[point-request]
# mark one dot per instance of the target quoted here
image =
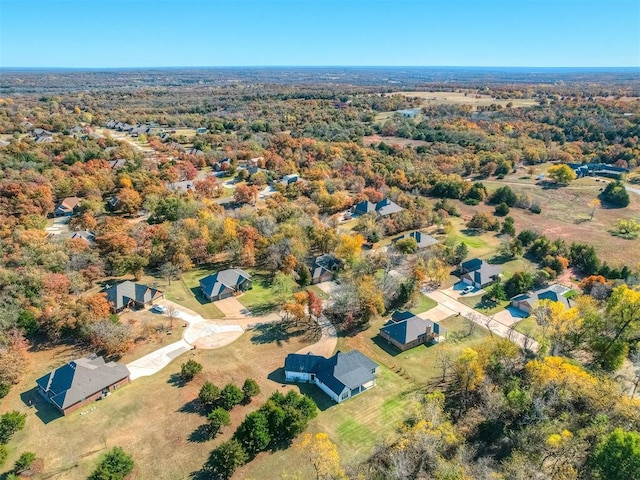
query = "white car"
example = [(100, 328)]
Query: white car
[(158, 309), (467, 289)]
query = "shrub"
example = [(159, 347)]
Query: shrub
[(406, 245), (520, 282), (3, 454), (535, 208), (190, 369), (483, 221), (250, 388), (618, 456), (501, 209), (253, 433), (24, 461), (209, 394), (115, 465), (10, 423), (217, 419), (4, 389), (225, 459), (504, 194), (615, 194), (230, 396)]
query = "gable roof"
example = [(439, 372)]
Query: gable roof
[(79, 379), (383, 207), (324, 263), (69, 204), (471, 265), (405, 327), (555, 293), (121, 294), (213, 285), (349, 370), (485, 274), (422, 239), (342, 370)]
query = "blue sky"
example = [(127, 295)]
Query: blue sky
[(156, 33)]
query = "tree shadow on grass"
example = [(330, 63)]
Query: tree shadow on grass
[(274, 332), (200, 434), (471, 232), (262, 309), (176, 380), (193, 406)]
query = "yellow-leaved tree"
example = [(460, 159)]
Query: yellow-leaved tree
[(323, 455)]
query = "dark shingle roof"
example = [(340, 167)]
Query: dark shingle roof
[(383, 207), (79, 379), (422, 239), (555, 293), (213, 285), (349, 370), (119, 295), (405, 327)]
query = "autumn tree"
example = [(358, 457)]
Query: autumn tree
[(349, 247), (129, 201), (314, 304), (562, 174), (322, 454), (245, 194), (469, 374), (113, 338), (594, 205)]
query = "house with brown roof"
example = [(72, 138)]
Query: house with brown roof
[(81, 381), (67, 207)]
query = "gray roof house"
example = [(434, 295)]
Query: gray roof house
[(555, 293), (323, 268), (341, 376), (422, 239), (405, 330), (86, 235), (129, 294), (81, 381), (382, 208), (225, 284), (479, 273)]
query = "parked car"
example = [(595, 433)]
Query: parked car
[(158, 309), (467, 289)]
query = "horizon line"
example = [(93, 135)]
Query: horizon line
[(158, 67)]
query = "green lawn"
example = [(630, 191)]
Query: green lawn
[(529, 326), (487, 308), (186, 292), (318, 291), (260, 296), (423, 304)]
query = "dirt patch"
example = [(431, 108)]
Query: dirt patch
[(393, 141)]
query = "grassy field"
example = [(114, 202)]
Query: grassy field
[(186, 292), (566, 215), (466, 98), (260, 296), (478, 304), (153, 418), (361, 423), (530, 327), (423, 304)]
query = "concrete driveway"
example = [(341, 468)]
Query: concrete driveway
[(509, 316), (457, 289)]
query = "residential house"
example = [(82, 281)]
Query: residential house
[(184, 186), (555, 293), (225, 284), (117, 164), (86, 235), (81, 381), (222, 165), (479, 273), (382, 208), (27, 125), (341, 376), (3, 143), (409, 113), (422, 239), (289, 179), (194, 151), (599, 169), (324, 267), (43, 139), (129, 294), (201, 130), (405, 330), (67, 207)]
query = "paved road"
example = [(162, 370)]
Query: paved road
[(496, 327), (632, 189)]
